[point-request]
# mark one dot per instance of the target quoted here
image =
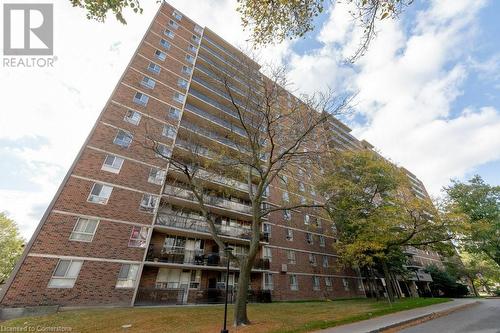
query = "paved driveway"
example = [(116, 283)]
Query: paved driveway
[(484, 318)]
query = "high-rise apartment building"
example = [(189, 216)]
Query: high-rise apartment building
[(121, 231)]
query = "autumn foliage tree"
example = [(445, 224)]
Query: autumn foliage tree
[(376, 212)]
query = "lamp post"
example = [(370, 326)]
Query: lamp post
[(227, 250)]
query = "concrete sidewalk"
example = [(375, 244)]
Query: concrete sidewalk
[(394, 320)]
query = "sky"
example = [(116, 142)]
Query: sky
[(427, 91)]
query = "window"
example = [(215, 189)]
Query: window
[(177, 15), (284, 180), (309, 238), (287, 215), (315, 282), (321, 240), (182, 83), (148, 82), (289, 234), (318, 223), (286, 198), (291, 257), (178, 97), (306, 219), (165, 44), (138, 237), (266, 229), (195, 39), (169, 33), (112, 164), (294, 283), (187, 70), (160, 55), (346, 284), (198, 29), (148, 202), (301, 187), (141, 99), (267, 253), (189, 58), (156, 176), (328, 283), (169, 131), (325, 261), (127, 276), (65, 274), (174, 113), (312, 259), (175, 244), (303, 200), (84, 230), (100, 193), (192, 48), (154, 68), (195, 279), (268, 281), (132, 117), (123, 138), (163, 151), (173, 24)]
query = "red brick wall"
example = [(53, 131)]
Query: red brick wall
[(95, 285)]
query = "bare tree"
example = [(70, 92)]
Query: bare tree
[(264, 133)]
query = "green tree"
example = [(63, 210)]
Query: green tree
[(445, 284), (277, 20), (479, 205), (482, 270), (11, 246), (98, 9), (376, 212)]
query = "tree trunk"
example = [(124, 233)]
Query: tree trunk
[(388, 282), (240, 306), (473, 286)]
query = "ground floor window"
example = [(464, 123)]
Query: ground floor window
[(127, 276), (268, 281), (294, 283), (65, 274)]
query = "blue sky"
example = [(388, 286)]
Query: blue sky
[(428, 90)]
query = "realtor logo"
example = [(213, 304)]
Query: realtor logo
[(28, 29)]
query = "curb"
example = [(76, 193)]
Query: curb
[(421, 319)]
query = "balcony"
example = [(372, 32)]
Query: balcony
[(185, 223), (177, 296), (210, 200), (182, 256), (211, 135), (215, 119)]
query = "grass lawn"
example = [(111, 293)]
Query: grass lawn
[(273, 317)]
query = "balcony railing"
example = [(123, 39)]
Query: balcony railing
[(171, 296), (211, 200), (215, 119), (197, 257), (185, 223)]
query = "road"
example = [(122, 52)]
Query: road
[(484, 318)]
